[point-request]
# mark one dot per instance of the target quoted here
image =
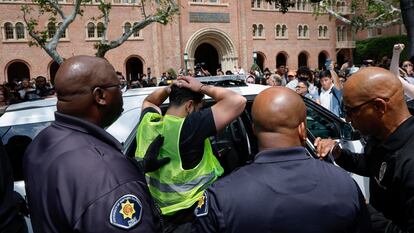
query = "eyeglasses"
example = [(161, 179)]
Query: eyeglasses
[(119, 85), (348, 111)]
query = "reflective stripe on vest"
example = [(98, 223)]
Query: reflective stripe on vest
[(172, 187)]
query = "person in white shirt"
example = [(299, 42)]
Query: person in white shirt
[(330, 95)]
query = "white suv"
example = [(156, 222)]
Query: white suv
[(24, 121)]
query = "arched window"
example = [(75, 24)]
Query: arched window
[(20, 31), (259, 2), (136, 34), (278, 30), (100, 29), (284, 31), (325, 31), (320, 29), (260, 30), (254, 30), (298, 3), (305, 31), (51, 30), (300, 31), (8, 31), (127, 27), (303, 5), (91, 30), (253, 3)]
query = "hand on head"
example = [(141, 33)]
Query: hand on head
[(189, 83)]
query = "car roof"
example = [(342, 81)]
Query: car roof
[(43, 110)]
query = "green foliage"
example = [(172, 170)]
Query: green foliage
[(172, 72), (376, 48)]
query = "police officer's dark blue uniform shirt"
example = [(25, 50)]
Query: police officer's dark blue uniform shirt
[(77, 180), (284, 190)]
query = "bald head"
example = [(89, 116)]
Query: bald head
[(278, 112), (375, 99), (79, 74), (372, 82), (87, 87)]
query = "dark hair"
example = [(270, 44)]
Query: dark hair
[(304, 70), (41, 77), (325, 73), (304, 82), (178, 96)]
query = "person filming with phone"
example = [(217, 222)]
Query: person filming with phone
[(330, 93)]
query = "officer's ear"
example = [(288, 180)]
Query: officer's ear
[(302, 132), (99, 95)]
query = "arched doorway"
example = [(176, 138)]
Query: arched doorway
[(219, 40), (207, 54), (340, 59), (134, 68), (260, 61), (17, 71), (302, 59), (53, 68), (321, 60), (280, 59)]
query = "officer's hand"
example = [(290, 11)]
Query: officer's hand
[(323, 147), (151, 161)]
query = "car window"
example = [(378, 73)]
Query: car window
[(320, 125), (30, 130)]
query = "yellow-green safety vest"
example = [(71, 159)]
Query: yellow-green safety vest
[(172, 187)]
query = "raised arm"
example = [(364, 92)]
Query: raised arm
[(229, 104), (156, 98), (394, 68), (335, 77)]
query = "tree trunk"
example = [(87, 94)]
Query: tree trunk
[(407, 13)]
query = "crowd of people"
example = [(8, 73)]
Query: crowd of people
[(78, 180)]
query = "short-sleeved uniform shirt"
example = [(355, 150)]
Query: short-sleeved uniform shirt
[(78, 180), (197, 126)]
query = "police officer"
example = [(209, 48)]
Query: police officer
[(374, 104), (283, 190), (77, 179), (186, 127), (11, 218)]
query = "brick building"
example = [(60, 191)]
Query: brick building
[(222, 33)]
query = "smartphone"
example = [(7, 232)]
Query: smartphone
[(328, 63)]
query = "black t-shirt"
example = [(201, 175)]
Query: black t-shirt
[(196, 128)]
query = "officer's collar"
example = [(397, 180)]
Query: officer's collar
[(400, 136), (78, 124), (281, 155)]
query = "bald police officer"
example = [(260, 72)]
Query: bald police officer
[(77, 179), (283, 190), (374, 104)]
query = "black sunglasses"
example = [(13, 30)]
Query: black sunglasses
[(347, 111), (120, 86)]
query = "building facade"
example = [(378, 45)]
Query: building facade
[(220, 33)]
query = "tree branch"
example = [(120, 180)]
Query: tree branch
[(41, 41), (105, 12), (65, 24), (336, 15), (55, 5)]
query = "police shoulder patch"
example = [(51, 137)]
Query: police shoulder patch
[(126, 212), (202, 206)]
